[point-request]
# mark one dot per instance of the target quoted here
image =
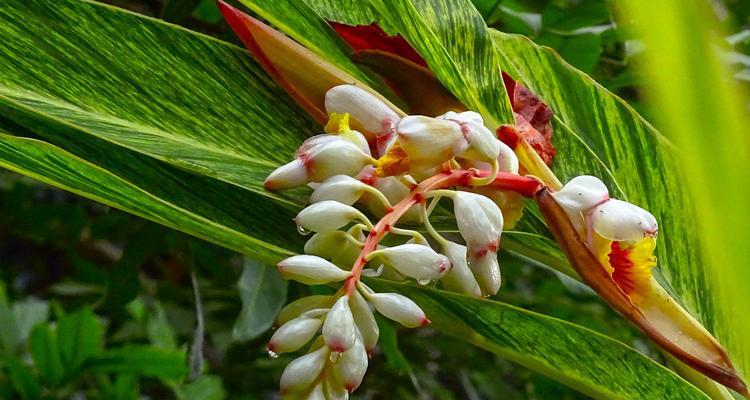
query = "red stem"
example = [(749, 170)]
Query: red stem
[(523, 185)]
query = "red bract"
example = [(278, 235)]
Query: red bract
[(372, 37)]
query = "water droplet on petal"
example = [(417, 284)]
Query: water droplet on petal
[(335, 356), (423, 281), (272, 354), (302, 231)]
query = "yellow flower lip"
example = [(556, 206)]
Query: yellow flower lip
[(652, 310)]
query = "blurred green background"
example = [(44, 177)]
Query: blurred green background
[(61, 255)]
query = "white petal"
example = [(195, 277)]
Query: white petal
[(326, 216), (483, 144), (315, 141), (339, 330), (287, 176), (400, 309), (416, 261), (334, 390), (311, 270), (618, 220), (460, 278), (303, 371), (294, 334), (339, 157), (351, 367), (582, 193), (507, 159), (479, 219), (317, 393), (430, 141), (371, 112), (365, 321), (487, 272), (466, 116), (342, 188)]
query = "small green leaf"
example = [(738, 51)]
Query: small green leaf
[(45, 351), (139, 360), (21, 378), (263, 293), (80, 336), (206, 387), (160, 333)]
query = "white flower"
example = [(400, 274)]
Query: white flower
[(399, 308), (460, 278), (339, 330), (365, 321), (582, 193), (351, 367), (618, 220), (479, 220), (487, 272), (430, 141), (370, 112), (321, 157), (341, 188), (303, 371), (317, 393), (311, 270), (327, 215), (483, 145), (415, 261), (295, 333)]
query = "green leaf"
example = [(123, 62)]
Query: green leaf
[(705, 112), (263, 293), (8, 331), (45, 351), (597, 365), (454, 40), (161, 195), (205, 388), (24, 383), (80, 336), (102, 72), (160, 333), (138, 360)]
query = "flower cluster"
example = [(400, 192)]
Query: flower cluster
[(394, 167)]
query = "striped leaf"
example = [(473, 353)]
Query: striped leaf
[(145, 85), (594, 364)]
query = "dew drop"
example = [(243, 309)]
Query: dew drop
[(423, 281), (302, 231), (272, 354), (335, 356)]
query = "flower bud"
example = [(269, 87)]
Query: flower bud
[(399, 308), (287, 176), (294, 334), (486, 269), (334, 390), (301, 306), (466, 116), (479, 220), (430, 141), (619, 220), (365, 321), (415, 261), (311, 270), (342, 188), (351, 367), (459, 279), (326, 216), (582, 193), (394, 190), (303, 371), (339, 330), (326, 244), (339, 157), (510, 203), (507, 161), (370, 112)]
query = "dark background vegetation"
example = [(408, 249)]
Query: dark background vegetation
[(69, 261)]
